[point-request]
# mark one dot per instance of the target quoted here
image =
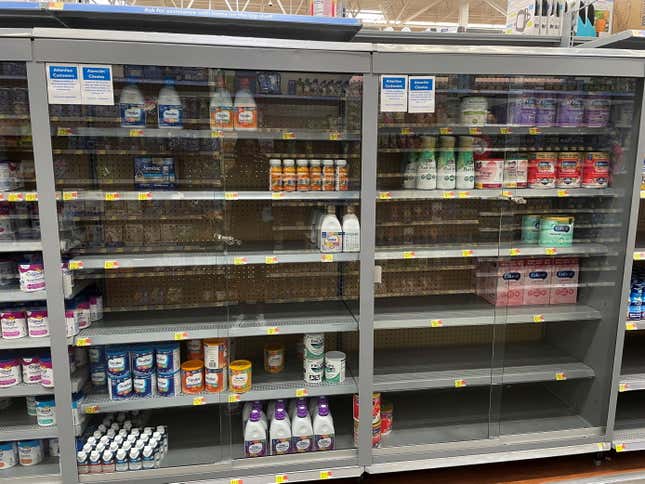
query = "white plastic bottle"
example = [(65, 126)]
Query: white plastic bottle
[(271, 406), (257, 405), (351, 232), (280, 432), (302, 431), (170, 112), (132, 107), (255, 436), (465, 164), (324, 433), (245, 109), (410, 173), (446, 169), (330, 233), (313, 405), (221, 107), (426, 176)]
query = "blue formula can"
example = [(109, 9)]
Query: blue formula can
[(96, 355), (98, 375), (168, 357), (120, 386), (144, 384), (168, 384), (142, 358), (118, 360)]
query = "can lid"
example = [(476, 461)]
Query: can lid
[(273, 347), (214, 341), (192, 365), (334, 355), (239, 365)]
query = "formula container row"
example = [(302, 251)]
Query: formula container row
[(26, 452)]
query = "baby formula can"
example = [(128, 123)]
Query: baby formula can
[(118, 360), (13, 323), (168, 357), (597, 109), (328, 176), (522, 110), (314, 370), (8, 175), (168, 383), (31, 405), (8, 455), (32, 277), (240, 376), (474, 111), (515, 172), (387, 410), (30, 369), (45, 411), (30, 452), (489, 173), (335, 367), (530, 229), (98, 375), (119, 386), (142, 358), (595, 170), (96, 307), (144, 384), (273, 358), (570, 110), (192, 376), (37, 323), (302, 176), (376, 407), (10, 374), (569, 170), (556, 231), (542, 169), (275, 175), (215, 353), (54, 447), (314, 346), (194, 350), (71, 323), (215, 379), (82, 313), (96, 355), (546, 110)]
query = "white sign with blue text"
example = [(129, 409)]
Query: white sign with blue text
[(63, 84), (394, 94), (421, 93), (96, 85)]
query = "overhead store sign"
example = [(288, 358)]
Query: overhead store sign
[(394, 94), (80, 84)]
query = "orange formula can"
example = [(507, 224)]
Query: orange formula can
[(376, 407), (215, 379), (215, 353), (315, 176), (192, 376), (328, 176), (273, 358), (194, 349)]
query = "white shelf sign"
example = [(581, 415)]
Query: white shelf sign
[(394, 94), (421, 94), (96, 85), (63, 84)]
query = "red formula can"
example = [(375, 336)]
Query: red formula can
[(376, 407), (569, 170), (542, 169), (595, 170)]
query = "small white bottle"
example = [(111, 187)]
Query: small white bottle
[(410, 173), (330, 233), (427, 165), (121, 461), (293, 405), (446, 169), (302, 431), (148, 458), (351, 232), (82, 462), (170, 112), (255, 436), (324, 433), (135, 460), (132, 107), (280, 432), (221, 107), (245, 109)]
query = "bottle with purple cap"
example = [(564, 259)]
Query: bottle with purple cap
[(301, 430), (280, 431), (255, 436), (324, 433)]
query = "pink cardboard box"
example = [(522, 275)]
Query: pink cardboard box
[(564, 281), (538, 281), (502, 283)]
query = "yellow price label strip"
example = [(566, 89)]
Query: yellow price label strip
[(445, 130), (75, 265), (15, 197), (505, 131), (326, 258), (460, 383), (436, 323), (563, 193), (231, 196), (273, 330), (334, 136), (301, 392), (623, 387), (288, 135), (277, 195), (410, 254), (112, 196), (271, 259), (538, 318), (218, 133), (406, 131), (240, 261), (385, 196), (325, 475), (560, 376), (448, 194), (180, 335), (601, 446), (31, 197), (639, 255), (55, 5), (64, 131), (642, 193), (467, 253), (514, 252), (236, 481), (67, 196), (199, 401), (281, 478), (474, 131), (233, 398), (136, 133), (550, 251), (630, 326), (507, 193), (620, 447), (83, 342), (144, 196), (111, 264), (92, 409), (463, 195), (534, 131)]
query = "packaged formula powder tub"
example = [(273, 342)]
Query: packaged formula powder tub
[(30, 452), (8, 455), (564, 281), (556, 232), (542, 169), (45, 411), (154, 173), (10, 373), (537, 282)]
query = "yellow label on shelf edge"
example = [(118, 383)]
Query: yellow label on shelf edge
[(236, 481), (325, 475), (288, 135), (445, 130), (550, 251), (467, 253), (301, 392), (630, 326), (385, 196), (534, 130), (31, 197), (505, 130), (239, 261), (271, 259), (277, 195), (538, 318), (180, 335), (83, 342), (639, 255), (75, 264), (281, 478), (199, 401), (623, 387), (463, 195), (560, 376), (231, 195), (111, 264), (327, 257), (406, 131), (334, 136), (233, 398), (563, 193), (15, 197), (448, 194), (460, 383), (515, 251), (410, 254), (620, 447), (474, 131), (112, 196), (436, 323), (273, 330), (136, 132), (70, 196), (144, 196), (92, 409)]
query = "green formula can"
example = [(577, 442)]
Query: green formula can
[(530, 229), (556, 231)]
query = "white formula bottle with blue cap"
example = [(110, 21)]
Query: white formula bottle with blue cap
[(169, 108), (132, 107)]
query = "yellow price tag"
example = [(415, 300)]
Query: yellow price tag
[(31, 197), (623, 387), (445, 130), (563, 193), (534, 131), (463, 195), (385, 196), (67, 196), (199, 401), (550, 251), (218, 133), (83, 342), (180, 335), (620, 447), (271, 259), (239, 261), (92, 409), (642, 193), (538, 318), (277, 195), (505, 131), (111, 264), (136, 133), (15, 197), (406, 131), (334, 136), (639, 255), (55, 5), (112, 196), (474, 131), (448, 194), (288, 135), (233, 398), (301, 392), (630, 326), (514, 251), (144, 196), (231, 195), (326, 257), (560, 376), (467, 253), (410, 254), (75, 265), (436, 323), (236, 481), (325, 475), (281, 478), (273, 330), (600, 446), (507, 193), (63, 131), (460, 383)]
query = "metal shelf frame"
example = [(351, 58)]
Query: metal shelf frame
[(38, 46)]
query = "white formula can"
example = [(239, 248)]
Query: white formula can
[(30, 452), (32, 277), (489, 173), (314, 370), (335, 367), (8, 455), (314, 346)]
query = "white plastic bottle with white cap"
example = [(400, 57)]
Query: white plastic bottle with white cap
[(121, 464), (147, 458), (169, 108), (245, 109), (331, 232), (351, 232), (132, 107), (134, 463), (221, 107)]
